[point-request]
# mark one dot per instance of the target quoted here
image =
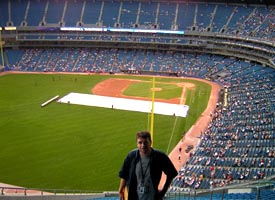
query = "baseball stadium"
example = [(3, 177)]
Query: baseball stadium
[(79, 78)]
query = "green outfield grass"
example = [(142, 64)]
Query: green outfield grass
[(66, 146)]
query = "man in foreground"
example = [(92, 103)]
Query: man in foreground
[(142, 169)]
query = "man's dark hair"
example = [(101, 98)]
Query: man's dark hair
[(144, 135)]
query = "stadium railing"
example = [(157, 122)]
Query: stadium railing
[(253, 190)]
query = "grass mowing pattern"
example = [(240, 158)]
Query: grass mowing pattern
[(75, 147)]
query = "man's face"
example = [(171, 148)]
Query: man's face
[(144, 146)]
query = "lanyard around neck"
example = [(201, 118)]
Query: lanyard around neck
[(141, 169)]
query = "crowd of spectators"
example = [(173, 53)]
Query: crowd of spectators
[(238, 145)]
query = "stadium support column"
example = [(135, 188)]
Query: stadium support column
[(152, 111)]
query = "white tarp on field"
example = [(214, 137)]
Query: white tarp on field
[(125, 104)]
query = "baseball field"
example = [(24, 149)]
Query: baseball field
[(66, 146)]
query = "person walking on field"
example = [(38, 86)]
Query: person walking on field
[(142, 169)]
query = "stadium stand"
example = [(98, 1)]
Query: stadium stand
[(238, 146)]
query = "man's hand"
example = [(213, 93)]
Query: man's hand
[(160, 195), (121, 195), (122, 189)]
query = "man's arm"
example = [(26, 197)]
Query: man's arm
[(122, 188), (171, 173), (166, 186)]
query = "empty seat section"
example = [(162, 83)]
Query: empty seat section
[(55, 10), (110, 13), (92, 12), (204, 16), (4, 13), (221, 17), (129, 14), (13, 56), (166, 17), (36, 12), (18, 10), (147, 16), (73, 13), (186, 14)]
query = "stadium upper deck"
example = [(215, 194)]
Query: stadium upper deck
[(242, 18), (241, 30)]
